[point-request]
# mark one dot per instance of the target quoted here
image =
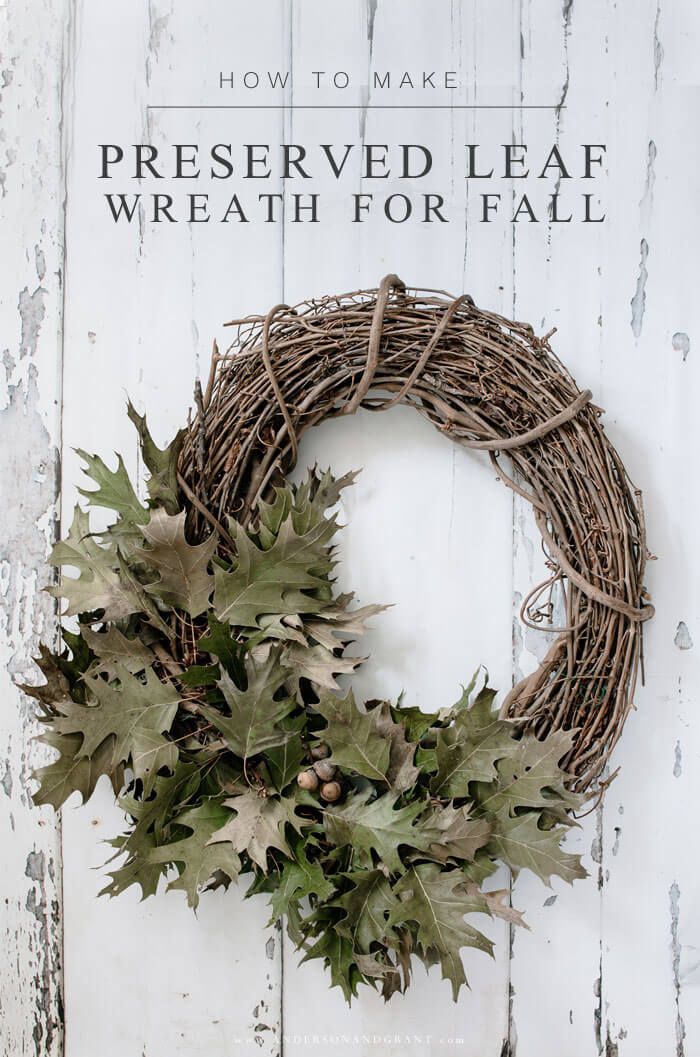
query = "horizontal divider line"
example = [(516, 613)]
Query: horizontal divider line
[(358, 106)]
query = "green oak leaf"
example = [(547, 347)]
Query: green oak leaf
[(461, 834), (135, 714), (299, 879), (72, 772), (151, 821), (415, 721), (305, 505), (137, 869), (161, 463), (367, 905), (258, 824), (354, 736), (196, 855), (531, 777), (378, 826), (274, 581), (521, 844), (220, 643), (285, 761), (200, 675), (437, 903), (337, 954), (256, 713), (111, 647), (114, 492), (468, 750), (185, 581), (98, 585)]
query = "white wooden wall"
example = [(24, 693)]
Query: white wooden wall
[(91, 312)]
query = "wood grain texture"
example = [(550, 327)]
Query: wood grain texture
[(32, 101), (611, 965)]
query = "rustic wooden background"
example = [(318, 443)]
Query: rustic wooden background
[(90, 312)]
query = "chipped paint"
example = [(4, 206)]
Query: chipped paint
[(31, 1003), (674, 896), (681, 343), (657, 47), (677, 760), (638, 302), (611, 1047), (682, 637), (647, 201), (598, 1009)]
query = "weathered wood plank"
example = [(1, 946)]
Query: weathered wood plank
[(555, 969), (448, 578), (651, 922), (31, 207), (143, 324)]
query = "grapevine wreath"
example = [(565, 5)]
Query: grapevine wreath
[(201, 673)]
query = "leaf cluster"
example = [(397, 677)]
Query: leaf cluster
[(201, 680)]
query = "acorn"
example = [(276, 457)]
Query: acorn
[(308, 780), (324, 770), (320, 751), (331, 791)]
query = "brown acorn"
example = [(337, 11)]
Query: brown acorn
[(308, 780), (324, 770), (320, 751), (331, 791)]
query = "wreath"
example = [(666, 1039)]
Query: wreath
[(200, 669)]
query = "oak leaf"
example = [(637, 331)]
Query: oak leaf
[(354, 736), (521, 844), (135, 714), (278, 581), (196, 855), (257, 825), (185, 581), (256, 712), (437, 903), (162, 483), (98, 585), (379, 827)]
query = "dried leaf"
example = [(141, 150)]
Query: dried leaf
[(354, 736), (468, 750), (437, 903), (298, 880), (256, 713), (185, 581), (367, 906), (196, 855), (257, 825), (98, 585), (319, 665), (135, 714), (115, 492), (278, 581), (161, 463), (111, 648), (521, 844), (379, 827), (72, 772)]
